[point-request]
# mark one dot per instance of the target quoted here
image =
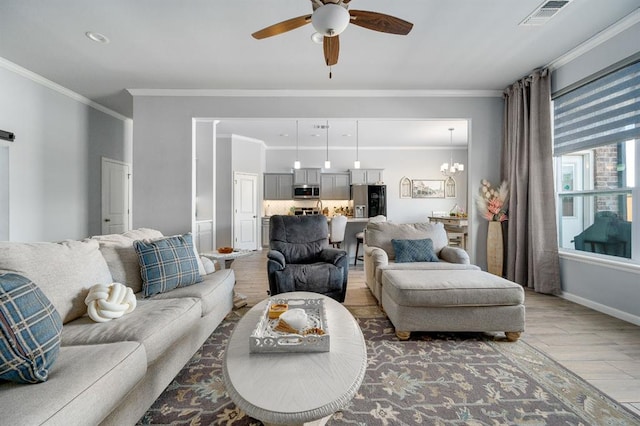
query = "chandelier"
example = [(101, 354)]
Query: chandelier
[(451, 168)]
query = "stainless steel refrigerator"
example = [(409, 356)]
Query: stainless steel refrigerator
[(369, 200)]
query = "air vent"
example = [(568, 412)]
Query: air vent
[(544, 12)]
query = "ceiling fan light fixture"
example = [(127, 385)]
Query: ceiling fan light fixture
[(330, 19), (317, 38)]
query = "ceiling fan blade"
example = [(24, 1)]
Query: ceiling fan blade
[(331, 47), (282, 27), (380, 22)]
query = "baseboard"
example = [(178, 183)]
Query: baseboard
[(624, 316)]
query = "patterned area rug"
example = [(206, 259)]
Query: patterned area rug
[(432, 379)]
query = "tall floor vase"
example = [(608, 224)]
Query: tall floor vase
[(495, 250)]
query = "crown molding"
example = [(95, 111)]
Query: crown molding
[(241, 93), (368, 148), (37, 78), (608, 33)]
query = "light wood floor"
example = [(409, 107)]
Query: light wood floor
[(603, 350)]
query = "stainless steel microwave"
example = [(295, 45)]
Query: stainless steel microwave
[(306, 191)]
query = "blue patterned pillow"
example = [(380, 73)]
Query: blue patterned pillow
[(414, 251), (30, 330), (167, 263)]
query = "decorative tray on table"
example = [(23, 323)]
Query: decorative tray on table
[(270, 336)]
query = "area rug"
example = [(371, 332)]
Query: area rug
[(432, 379)]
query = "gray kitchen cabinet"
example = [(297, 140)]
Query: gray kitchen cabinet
[(306, 177), (265, 231), (334, 186), (278, 186), (366, 176)]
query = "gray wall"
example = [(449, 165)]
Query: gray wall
[(234, 154), (162, 128), (604, 285), (4, 191), (55, 160)]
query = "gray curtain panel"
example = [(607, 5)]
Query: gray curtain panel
[(527, 165)]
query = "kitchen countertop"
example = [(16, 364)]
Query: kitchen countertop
[(349, 219)]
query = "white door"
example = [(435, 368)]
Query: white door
[(116, 213), (245, 211), (574, 177)]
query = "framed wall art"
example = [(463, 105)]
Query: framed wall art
[(426, 188), (405, 187), (450, 188)]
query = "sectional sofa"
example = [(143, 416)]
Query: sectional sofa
[(109, 372)]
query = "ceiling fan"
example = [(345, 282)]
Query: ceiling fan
[(330, 18)]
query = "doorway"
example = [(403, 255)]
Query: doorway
[(116, 196), (245, 211)]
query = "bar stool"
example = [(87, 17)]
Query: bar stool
[(360, 237), (359, 240)]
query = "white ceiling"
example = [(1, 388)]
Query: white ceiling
[(206, 44), (373, 133)]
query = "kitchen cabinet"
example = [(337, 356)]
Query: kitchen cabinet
[(366, 176), (278, 186), (334, 186), (204, 235), (265, 231), (306, 177)]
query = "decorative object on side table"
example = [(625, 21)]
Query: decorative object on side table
[(302, 327), (492, 204)]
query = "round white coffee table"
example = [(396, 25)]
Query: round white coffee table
[(296, 387)]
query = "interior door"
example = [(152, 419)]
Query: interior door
[(116, 213), (573, 208), (245, 210)]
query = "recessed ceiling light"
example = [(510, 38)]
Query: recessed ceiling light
[(97, 37)]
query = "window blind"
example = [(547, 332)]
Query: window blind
[(602, 112)]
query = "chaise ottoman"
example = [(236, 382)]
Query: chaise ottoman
[(452, 300)]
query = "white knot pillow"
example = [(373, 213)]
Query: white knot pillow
[(106, 302)]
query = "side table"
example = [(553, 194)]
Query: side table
[(225, 260)]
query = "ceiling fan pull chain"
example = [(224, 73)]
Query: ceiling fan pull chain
[(330, 74)]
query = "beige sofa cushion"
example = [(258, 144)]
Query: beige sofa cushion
[(63, 271), (441, 288), (122, 258), (157, 324), (85, 385), (211, 290), (380, 235)]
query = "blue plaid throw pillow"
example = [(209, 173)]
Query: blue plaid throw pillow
[(414, 250), (30, 330), (167, 263)]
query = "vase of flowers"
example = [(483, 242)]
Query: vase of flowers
[(492, 204)]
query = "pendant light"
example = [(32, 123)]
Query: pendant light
[(296, 164), (451, 168), (356, 164), (327, 163)]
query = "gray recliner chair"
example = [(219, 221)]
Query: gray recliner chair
[(300, 258)]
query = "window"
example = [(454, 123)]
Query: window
[(596, 133)]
